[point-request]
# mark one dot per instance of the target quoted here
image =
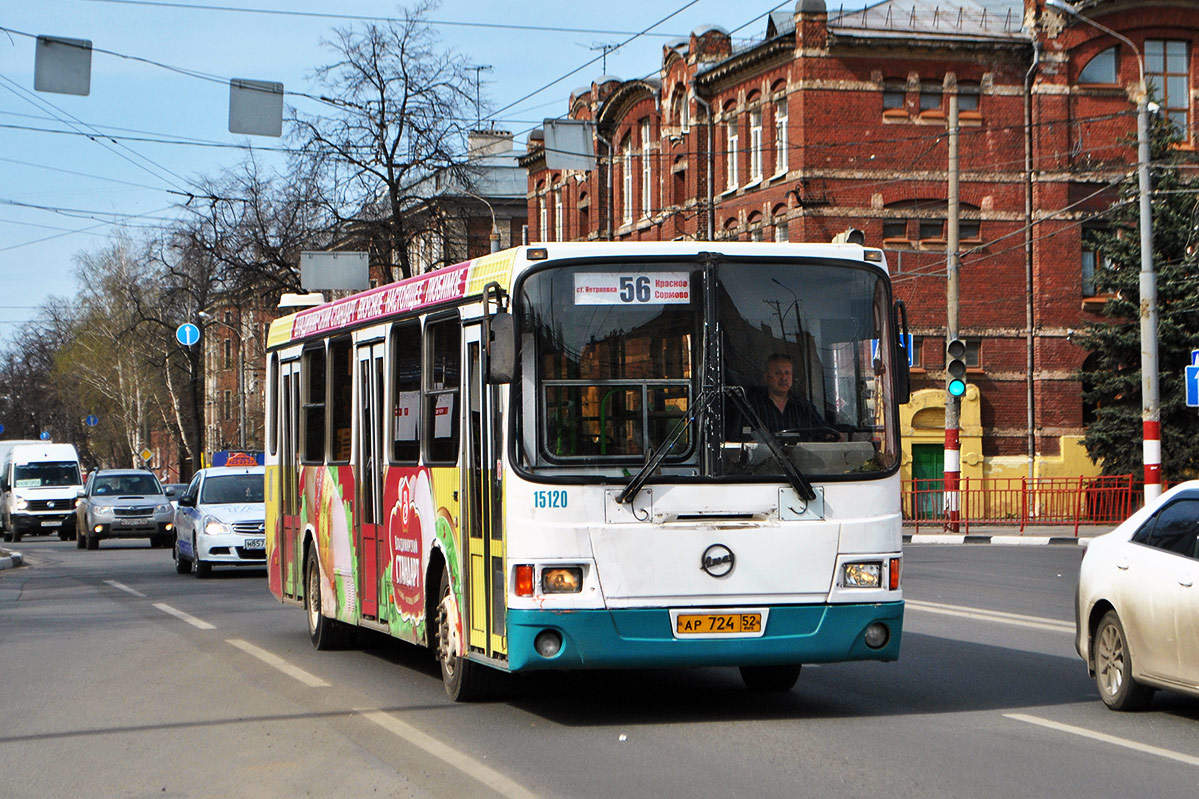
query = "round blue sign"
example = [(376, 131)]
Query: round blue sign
[(45, 436), (92, 420), (187, 334), (1, 428)]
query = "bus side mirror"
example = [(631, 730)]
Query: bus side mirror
[(501, 362)]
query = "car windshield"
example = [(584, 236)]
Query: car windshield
[(46, 474), (232, 488), (127, 485), (620, 369)]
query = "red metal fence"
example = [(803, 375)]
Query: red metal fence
[(1109, 499)]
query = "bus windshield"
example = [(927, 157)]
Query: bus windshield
[(46, 474), (614, 356)]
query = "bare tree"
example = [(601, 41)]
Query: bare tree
[(396, 114)]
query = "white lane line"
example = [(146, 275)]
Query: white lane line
[(187, 617), (295, 672), (447, 754), (125, 588), (998, 617), (1190, 760)]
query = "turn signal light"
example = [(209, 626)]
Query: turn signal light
[(524, 580), (894, 571)]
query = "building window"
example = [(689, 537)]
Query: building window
[(1166, 71), (894, 94), (228, 353), (930, 97), (1092, 261), (780, 230), (932, 229), (1101, 68), (895, 229), (969, 230), (626, 168), (543, 223), (915, 358), (558, 215), (227, 411), (647, 185), (968, 96), (973, 353), (782, 141), (755, 144), (734, 144)]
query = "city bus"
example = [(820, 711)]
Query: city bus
[(561, 456)]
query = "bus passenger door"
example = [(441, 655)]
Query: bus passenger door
[(484, 527), (368, 465), (289, 477)]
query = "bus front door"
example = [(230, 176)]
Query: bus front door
[(484, 520), (289, 482), (369, 465)]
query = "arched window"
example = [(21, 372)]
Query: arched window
[(1101, 68)]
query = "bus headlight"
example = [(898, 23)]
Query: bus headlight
[(862, 575), (562, 580), (22, 503)]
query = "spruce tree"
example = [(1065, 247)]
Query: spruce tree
[(1112, 378)]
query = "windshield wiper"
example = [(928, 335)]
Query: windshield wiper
[(794, 476), (659, 454)]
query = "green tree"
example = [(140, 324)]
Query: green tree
[(1112, 377)]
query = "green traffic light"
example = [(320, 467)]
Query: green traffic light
[(957, 387)]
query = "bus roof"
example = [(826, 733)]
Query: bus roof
[(467, 280)]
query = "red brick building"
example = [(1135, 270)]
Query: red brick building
[(835, 120)]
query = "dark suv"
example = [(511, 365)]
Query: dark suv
[(124, 503)]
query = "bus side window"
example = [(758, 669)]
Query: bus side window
[(443, 377), (341, 395), (405, 367), (314, 405)]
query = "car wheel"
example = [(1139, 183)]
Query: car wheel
[(464, 680), (182, 564), (202, 570), (93, 542), (80, 540), (16, 537), (770, 678), (1113, 667), (326, 633)]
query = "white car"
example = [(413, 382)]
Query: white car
[(221, 520), (1138, 602)]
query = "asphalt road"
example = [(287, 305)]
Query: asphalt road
[(119, 678)]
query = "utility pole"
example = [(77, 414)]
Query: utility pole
[(953, 453)]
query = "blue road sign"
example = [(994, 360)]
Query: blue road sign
[(1191, 378), (187, 334), (45, 436), (92, 420), (1, 428)]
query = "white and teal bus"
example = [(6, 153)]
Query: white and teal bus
[(598, 455)]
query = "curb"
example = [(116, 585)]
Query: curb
[(1003, 540), (10, 560)]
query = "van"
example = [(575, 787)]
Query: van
[(38, 488)]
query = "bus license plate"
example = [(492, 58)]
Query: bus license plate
[(718, 623), (255, 543)]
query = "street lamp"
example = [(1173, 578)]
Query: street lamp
[(241, 376), (1150, 402)]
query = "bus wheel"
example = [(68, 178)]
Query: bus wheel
[(464, 680), (325, 633), (770, 678)]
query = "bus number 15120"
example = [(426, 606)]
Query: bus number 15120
[(553, 498)]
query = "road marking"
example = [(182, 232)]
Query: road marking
[(447, 754), (125, 588), (187, 617), (1190, 760), (311, 680), (998, 617)]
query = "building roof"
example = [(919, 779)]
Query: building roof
[(939, 19)]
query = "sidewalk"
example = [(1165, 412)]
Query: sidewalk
[(1032, 534), (9, 559)]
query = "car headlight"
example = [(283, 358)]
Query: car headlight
[(22, 504), (215, 527), (164, 508), (862, 575), (103, 510)]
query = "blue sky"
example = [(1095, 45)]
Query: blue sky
[(61, 193)]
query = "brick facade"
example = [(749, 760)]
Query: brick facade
[(836, 120)]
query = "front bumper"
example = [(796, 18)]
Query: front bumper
[(26, 523), (130, 528), (231, 549), (644, 638)]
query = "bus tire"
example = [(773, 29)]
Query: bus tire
[(325, 633), (773, 679), (464, 680)]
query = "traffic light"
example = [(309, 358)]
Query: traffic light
[(955, 366)]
